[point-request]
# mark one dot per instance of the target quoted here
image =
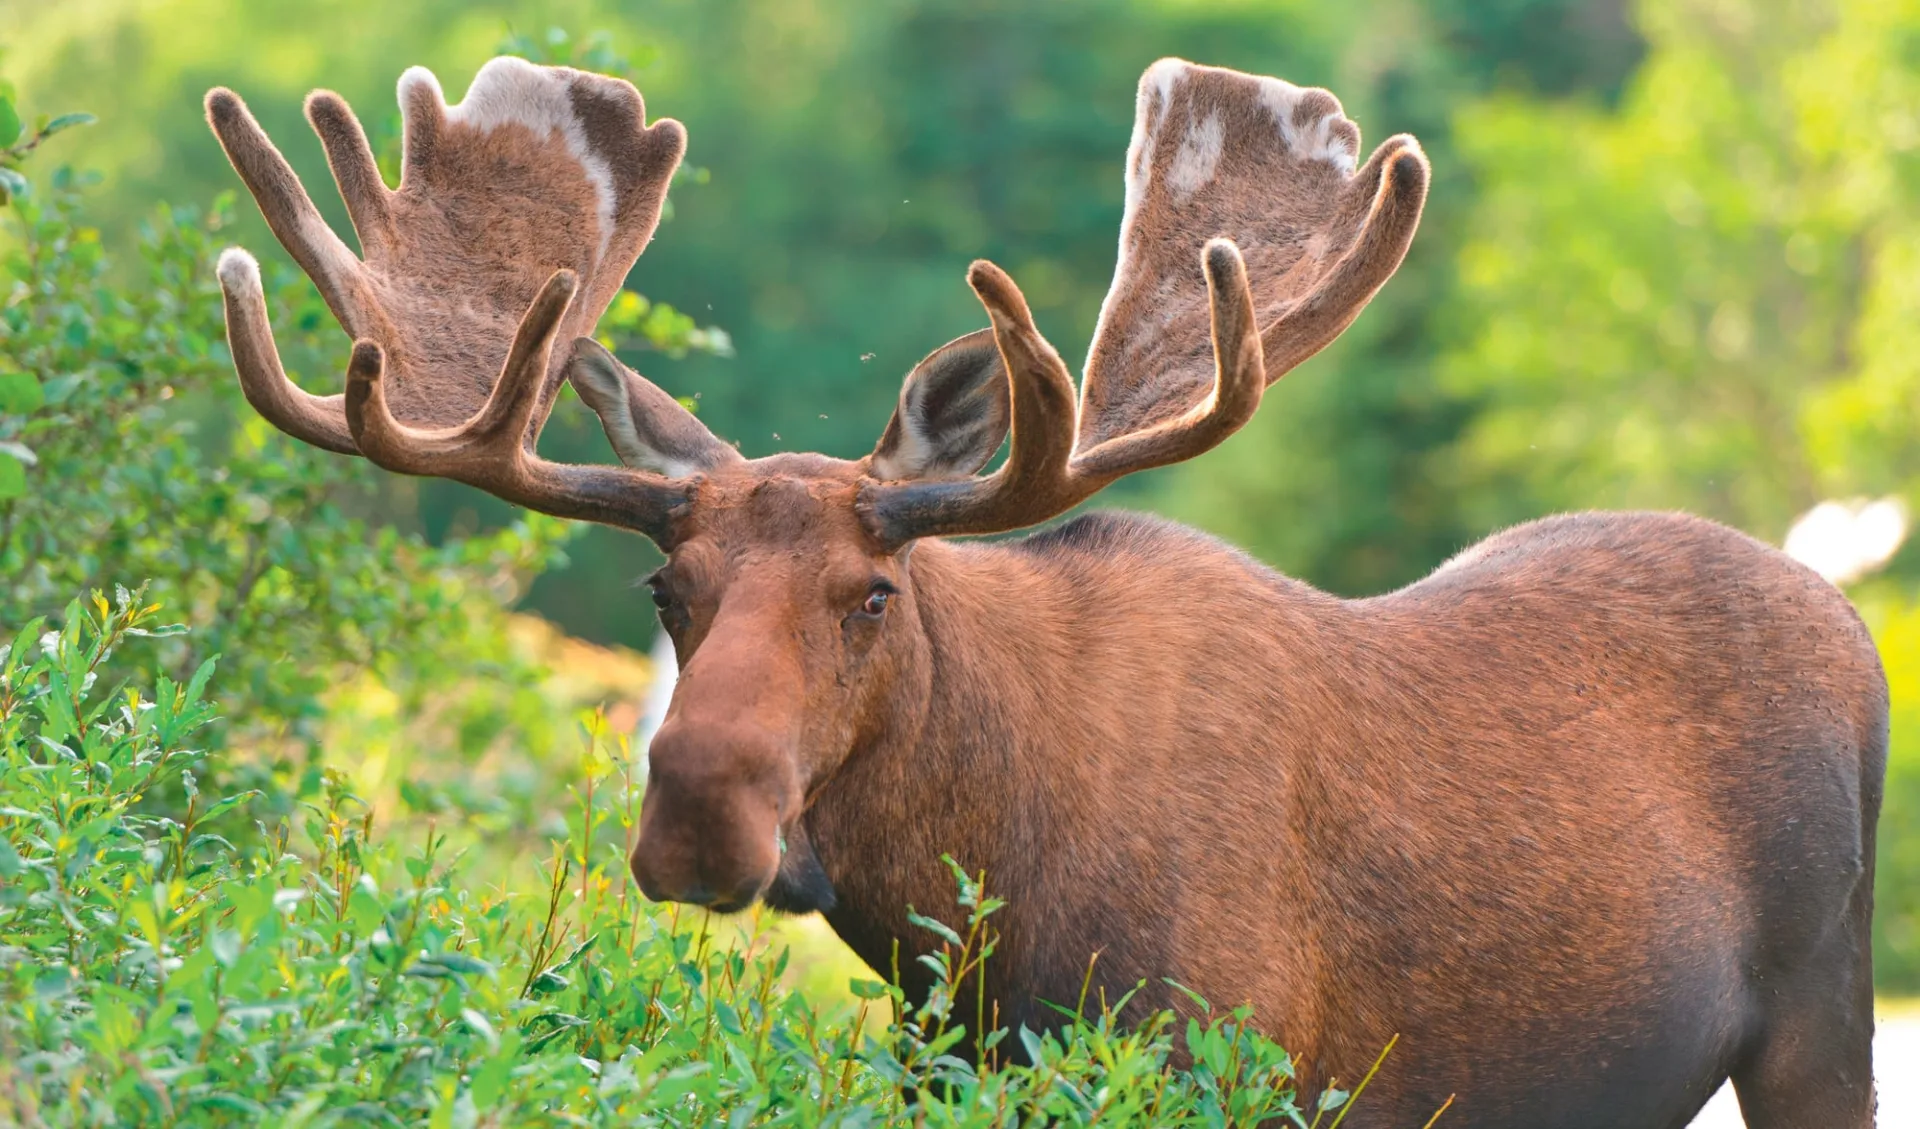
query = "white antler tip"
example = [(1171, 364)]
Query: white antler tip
[(417, 78), (1160, 78), (238, 271)]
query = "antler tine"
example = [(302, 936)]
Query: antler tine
[(319, 420), (289, 211), (490, 450), (366, 195), (1031, 484), (1393, 188), (1240, 376)]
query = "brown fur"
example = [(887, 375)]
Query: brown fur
[(1586, 816)]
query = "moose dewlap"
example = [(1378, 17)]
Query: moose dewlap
[(1586, 816)]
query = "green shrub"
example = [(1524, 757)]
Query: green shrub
[(161, 964)]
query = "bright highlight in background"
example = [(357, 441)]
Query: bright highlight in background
[(1844, 541)]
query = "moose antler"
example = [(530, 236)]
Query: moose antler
[(539, 175), (1249, 241)]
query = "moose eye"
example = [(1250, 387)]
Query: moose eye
[(662, 598), (876, 602)]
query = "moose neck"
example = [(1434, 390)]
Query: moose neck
[(955, 772), (1018, 759)]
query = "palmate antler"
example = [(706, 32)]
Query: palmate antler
[(1249, 241), (539, 173)]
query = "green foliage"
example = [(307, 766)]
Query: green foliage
[(158, 964), (1660, 306), (16, 141)]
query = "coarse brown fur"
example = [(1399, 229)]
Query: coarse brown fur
[(1586, 817)]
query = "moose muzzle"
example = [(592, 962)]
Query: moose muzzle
[(710, 824)]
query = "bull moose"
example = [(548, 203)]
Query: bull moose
[(1586, 816)]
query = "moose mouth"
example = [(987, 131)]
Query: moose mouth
[(801, 884)]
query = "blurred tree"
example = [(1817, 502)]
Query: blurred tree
[(1706, 300), (1656, 305)]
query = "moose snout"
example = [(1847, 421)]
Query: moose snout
[(710, 820)]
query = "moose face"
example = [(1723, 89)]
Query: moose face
[(791, 615), (793, 627)]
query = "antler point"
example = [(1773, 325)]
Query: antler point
[(324, 101), (417, 78), (1220, 255), (367, 364), (1408, 173), (238, 271), (222, 104)]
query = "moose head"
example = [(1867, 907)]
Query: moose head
[(1252, 236)]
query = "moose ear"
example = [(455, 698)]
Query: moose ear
[(953, 413), (648, 428)]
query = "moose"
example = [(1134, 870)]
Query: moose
[(1586, 816)]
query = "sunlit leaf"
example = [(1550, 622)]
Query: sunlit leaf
[(13, 476)]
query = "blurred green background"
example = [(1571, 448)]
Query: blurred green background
[(1671, 258)]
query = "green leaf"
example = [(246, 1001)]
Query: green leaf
[(66, 121), (9, 122), (573, 956), (13, 477), (20, 393), (227, 804), (198, 686), (939, 928), (479, 1025), (231, 1103), (462, 963), (13, 184)]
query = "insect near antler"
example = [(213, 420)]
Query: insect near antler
[(1586, 816)]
